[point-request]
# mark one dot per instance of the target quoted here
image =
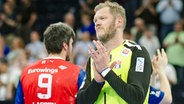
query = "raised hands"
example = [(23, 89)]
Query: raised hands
[(160, 61), (100, 56)]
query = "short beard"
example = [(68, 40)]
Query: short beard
[(110, 33)]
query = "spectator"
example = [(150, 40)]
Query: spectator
[(26, 17), (131, 6), (4, 80), (69, 19), (169, 14), (80, 50), (150, 42), (17, 60), (149, 14), (138, 29), (174, 44), (87, 6), (88, 25), (8, 19), (35, 49), (12, 3), (4, 48)]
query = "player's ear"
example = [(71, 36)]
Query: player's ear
[(65, 46), (119, 21)]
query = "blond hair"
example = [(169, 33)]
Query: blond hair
[(115, 9)]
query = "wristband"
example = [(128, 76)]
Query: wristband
[(105, 71)]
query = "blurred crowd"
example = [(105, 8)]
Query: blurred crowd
[(151, 23)]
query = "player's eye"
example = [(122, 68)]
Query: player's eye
[(102, 18)]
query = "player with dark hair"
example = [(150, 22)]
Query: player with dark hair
[(52, 80)]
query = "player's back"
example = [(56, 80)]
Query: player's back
[(50, 81)]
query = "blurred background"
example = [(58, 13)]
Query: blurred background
[(151, 23)]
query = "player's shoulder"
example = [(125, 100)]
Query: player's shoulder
[(133, 46), (70, 65), (32, 65)]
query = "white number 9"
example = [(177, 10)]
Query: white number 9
[(47, 85)]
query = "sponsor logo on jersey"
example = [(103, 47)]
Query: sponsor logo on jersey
[(156, 93), (139, 64), (51, 61), (42, 70), (125, 51), (62, 67), (43, 62)]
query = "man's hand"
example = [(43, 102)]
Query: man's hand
[(100, 56), (97, 76), (160, 61)]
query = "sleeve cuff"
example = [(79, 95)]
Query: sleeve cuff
[(105, 71)]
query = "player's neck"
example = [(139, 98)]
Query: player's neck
[(114, 42), (57, 55)]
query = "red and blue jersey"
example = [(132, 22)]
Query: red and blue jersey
[(49, 81)]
